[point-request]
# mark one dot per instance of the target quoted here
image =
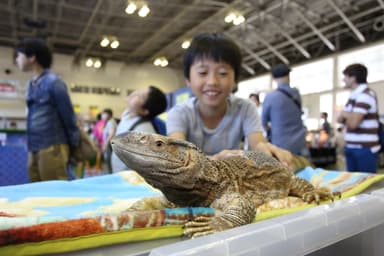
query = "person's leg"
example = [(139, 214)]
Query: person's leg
[(366, 160), (350, 159), (53, 162), (33, 169)]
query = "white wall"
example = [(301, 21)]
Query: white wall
[(113, 74)]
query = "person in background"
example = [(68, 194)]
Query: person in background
[(360, 119), (325, 125), (255, 97), (215, 120), (51, 121), (109, 131), (98, 131), (282, 112), (143, 105)]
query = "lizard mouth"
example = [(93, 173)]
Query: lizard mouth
[(133, 155)]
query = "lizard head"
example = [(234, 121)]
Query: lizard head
[(164, 162)]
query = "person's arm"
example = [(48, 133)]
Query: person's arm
[(60, 95), (351, 120), (258, 142)]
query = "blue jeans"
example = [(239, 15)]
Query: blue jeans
[(360, 160)]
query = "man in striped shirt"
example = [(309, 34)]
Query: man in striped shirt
[(360, 118)]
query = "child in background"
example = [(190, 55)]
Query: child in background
[(143, 106), (215, 120)]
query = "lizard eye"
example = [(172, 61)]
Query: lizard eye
[(159, 143)]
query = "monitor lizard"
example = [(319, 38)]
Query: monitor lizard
[(235, 186)]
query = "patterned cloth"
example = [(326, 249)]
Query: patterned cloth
[(52, 210)]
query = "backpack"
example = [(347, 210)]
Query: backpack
[(157, 123)]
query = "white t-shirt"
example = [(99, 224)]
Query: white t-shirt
[(239, 121)]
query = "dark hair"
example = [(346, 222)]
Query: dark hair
[(359, 71), (38, 48), (108, 111), (324, 114), (215, 46), (156, 102), (256, 95)]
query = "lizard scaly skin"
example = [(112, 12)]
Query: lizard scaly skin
[(235, 186)]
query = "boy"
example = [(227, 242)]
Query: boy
[(52, 128), (143, 106), (214, 119)]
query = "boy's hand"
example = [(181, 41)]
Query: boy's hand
[(284, 156), (226, 153)]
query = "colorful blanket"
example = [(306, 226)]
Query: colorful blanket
[(85, 213)]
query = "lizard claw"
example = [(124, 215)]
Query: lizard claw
[(320, 194), (199, 227)]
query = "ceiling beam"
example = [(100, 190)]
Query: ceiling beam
[(347, 21), (188, 33), (90, 20), (250, 52), (59, 14), (381, 2), (313, 27), (160, 32), (268, 45), (247, 68), (288, 37), (12, 19)]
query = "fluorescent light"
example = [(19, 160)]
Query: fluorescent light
[(238, 20), (89, 62), (230, 17), (104, 42), (186, 44), (144, 10), (131, 8), (115, 44), (97, 64)]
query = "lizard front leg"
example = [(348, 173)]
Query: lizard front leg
[(306, 191), (151, 203), (236, 210)]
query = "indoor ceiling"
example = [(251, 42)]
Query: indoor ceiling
[(290, 31)]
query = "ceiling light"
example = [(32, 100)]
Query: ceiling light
[(230, 17), (234, 17), (89, 62), (162, 61), (238, 20), (186, 44), (104, 42), (115, 44), (131, 8), (157, 62), (97, 64), (144, 10)]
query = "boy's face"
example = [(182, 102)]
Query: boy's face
[(137, 99), (211, 82), (23, 62)]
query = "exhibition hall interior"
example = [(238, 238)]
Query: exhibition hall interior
[(190, 127)]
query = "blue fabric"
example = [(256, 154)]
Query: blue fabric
[(360, 160), (98, 192), (284, 117), (51, 119)]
